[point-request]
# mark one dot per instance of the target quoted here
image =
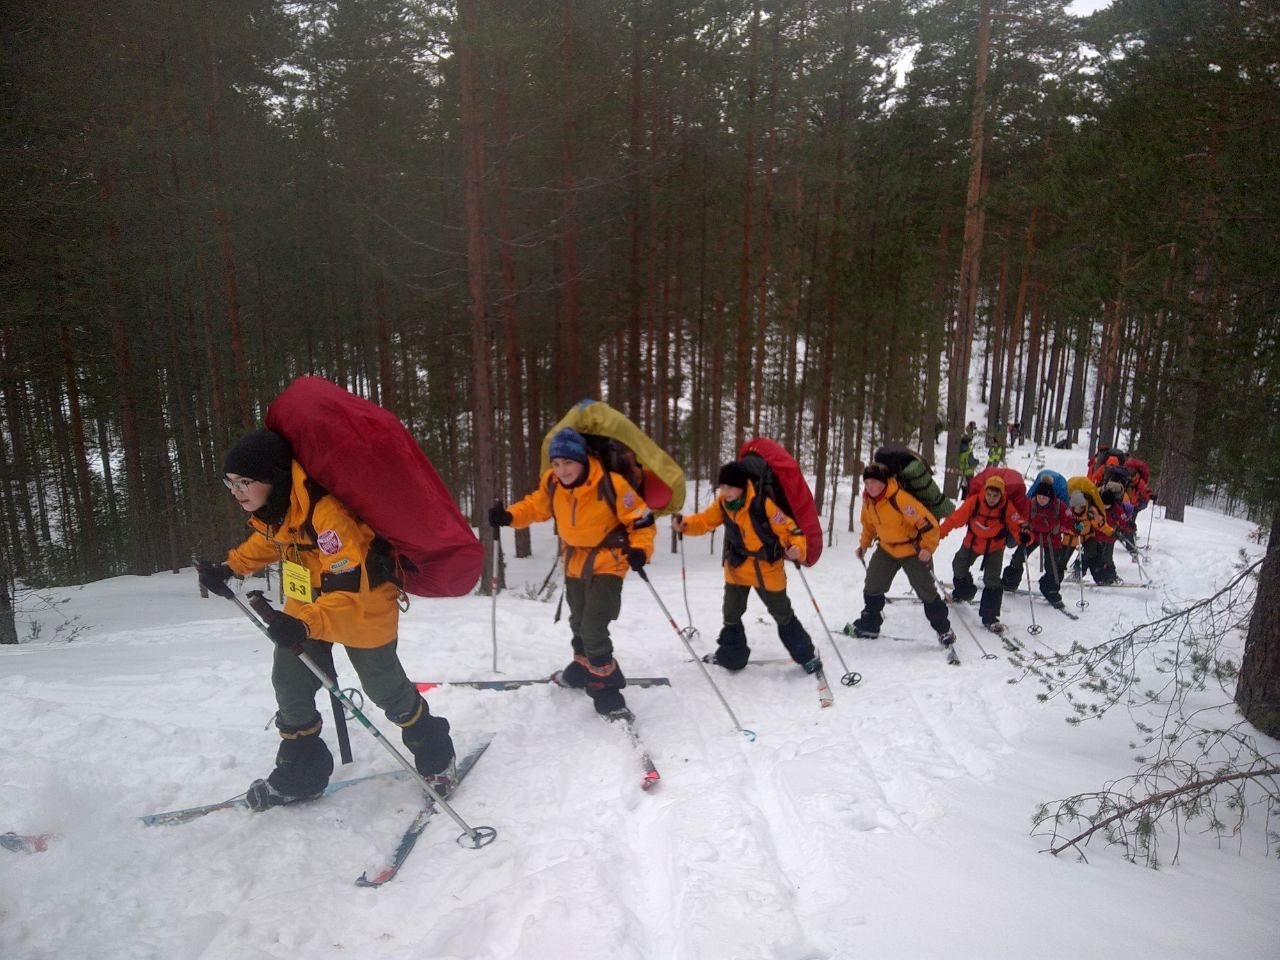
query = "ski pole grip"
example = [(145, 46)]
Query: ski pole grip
[(259, 603)]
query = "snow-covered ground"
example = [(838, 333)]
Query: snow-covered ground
[(893, 825)]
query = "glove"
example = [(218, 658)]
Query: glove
[(1154, 498), (285, 631), (636, 558), (498, 516), (1079, 527), (648, 520), (214, 577), (1024, 537)]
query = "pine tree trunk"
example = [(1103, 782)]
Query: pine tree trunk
[(472, 122), (971, 254), (1258, 684), (743, 340)]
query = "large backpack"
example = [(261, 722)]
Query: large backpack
[(776, 475), (366, 458), (1015, 487), (624, 449), (1090, 490), (915, 477), (1058, 481)]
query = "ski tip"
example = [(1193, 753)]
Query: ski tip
[(650, 781)]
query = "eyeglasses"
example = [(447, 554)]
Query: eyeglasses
[(239, 485)]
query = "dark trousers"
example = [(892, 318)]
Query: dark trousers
[(593, 605)]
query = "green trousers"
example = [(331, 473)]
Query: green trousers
[(381, 674), (593, 605), (776, 601), (882, 568)]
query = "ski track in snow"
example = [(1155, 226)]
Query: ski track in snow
[(893, 824)]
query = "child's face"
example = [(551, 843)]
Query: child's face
[(1042, 499), (873, 487), (567, 471), (730, 494), (992, 495), (250, 494)]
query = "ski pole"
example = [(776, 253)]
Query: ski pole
[(749, 734), (1082, 602), (479, 836), (690, 631), (1034, 629), (1150, 520), (964, 622), (851, 677), (496, 553)]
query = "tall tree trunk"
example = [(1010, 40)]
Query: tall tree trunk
[(226, 245), (971, 254), (1258, 684), (744, 338), (477, 266)]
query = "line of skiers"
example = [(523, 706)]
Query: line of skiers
[(343, 589)]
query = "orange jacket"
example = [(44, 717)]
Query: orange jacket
[(988, 527), (901, 523), (1090, 524), (584, 520), (755, 571), (346, 609)]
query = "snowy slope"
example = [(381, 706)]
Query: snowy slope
[(892, 825)]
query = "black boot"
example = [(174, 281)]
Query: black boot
[(868, 623), (604, 686), (989, 605), (303, 767), (732, 651), (936, 611), (798, 642), (427, 738), (963, 588)]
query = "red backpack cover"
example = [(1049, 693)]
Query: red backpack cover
[(1015, 487), (365, 457), (790, 482)]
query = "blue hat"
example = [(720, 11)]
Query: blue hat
[(568, 444)]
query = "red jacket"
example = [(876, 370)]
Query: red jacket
[(1048, 524), (987, 527)]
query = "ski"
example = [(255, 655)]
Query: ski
[(25, 842), (419, 823), (757, 662), (241, 802), (425, 686), (825, 697), (628, 723), (878, 636)]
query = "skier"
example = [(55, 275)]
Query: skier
[(1093, 532), (758, 540), (605, 528), (341, 587), (989, 517), (908, 535), (1049, 519)]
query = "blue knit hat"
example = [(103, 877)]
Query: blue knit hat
[(568, 444)]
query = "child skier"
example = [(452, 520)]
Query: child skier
[(605, 529), (1049, 519), (353, 601), (908, 535), (989, 517), (758, 540), (1093, 532)]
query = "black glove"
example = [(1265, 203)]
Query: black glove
[(636, 558), (285, 631), (498, 516), (1024, 537), (647, 520), (214, 576)]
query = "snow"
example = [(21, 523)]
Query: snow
[(895, 824)]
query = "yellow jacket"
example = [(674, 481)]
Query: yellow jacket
[(346, 608), (899, 521), (755, 571), (584, 520)]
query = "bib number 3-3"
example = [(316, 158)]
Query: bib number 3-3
[(297, 582)]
